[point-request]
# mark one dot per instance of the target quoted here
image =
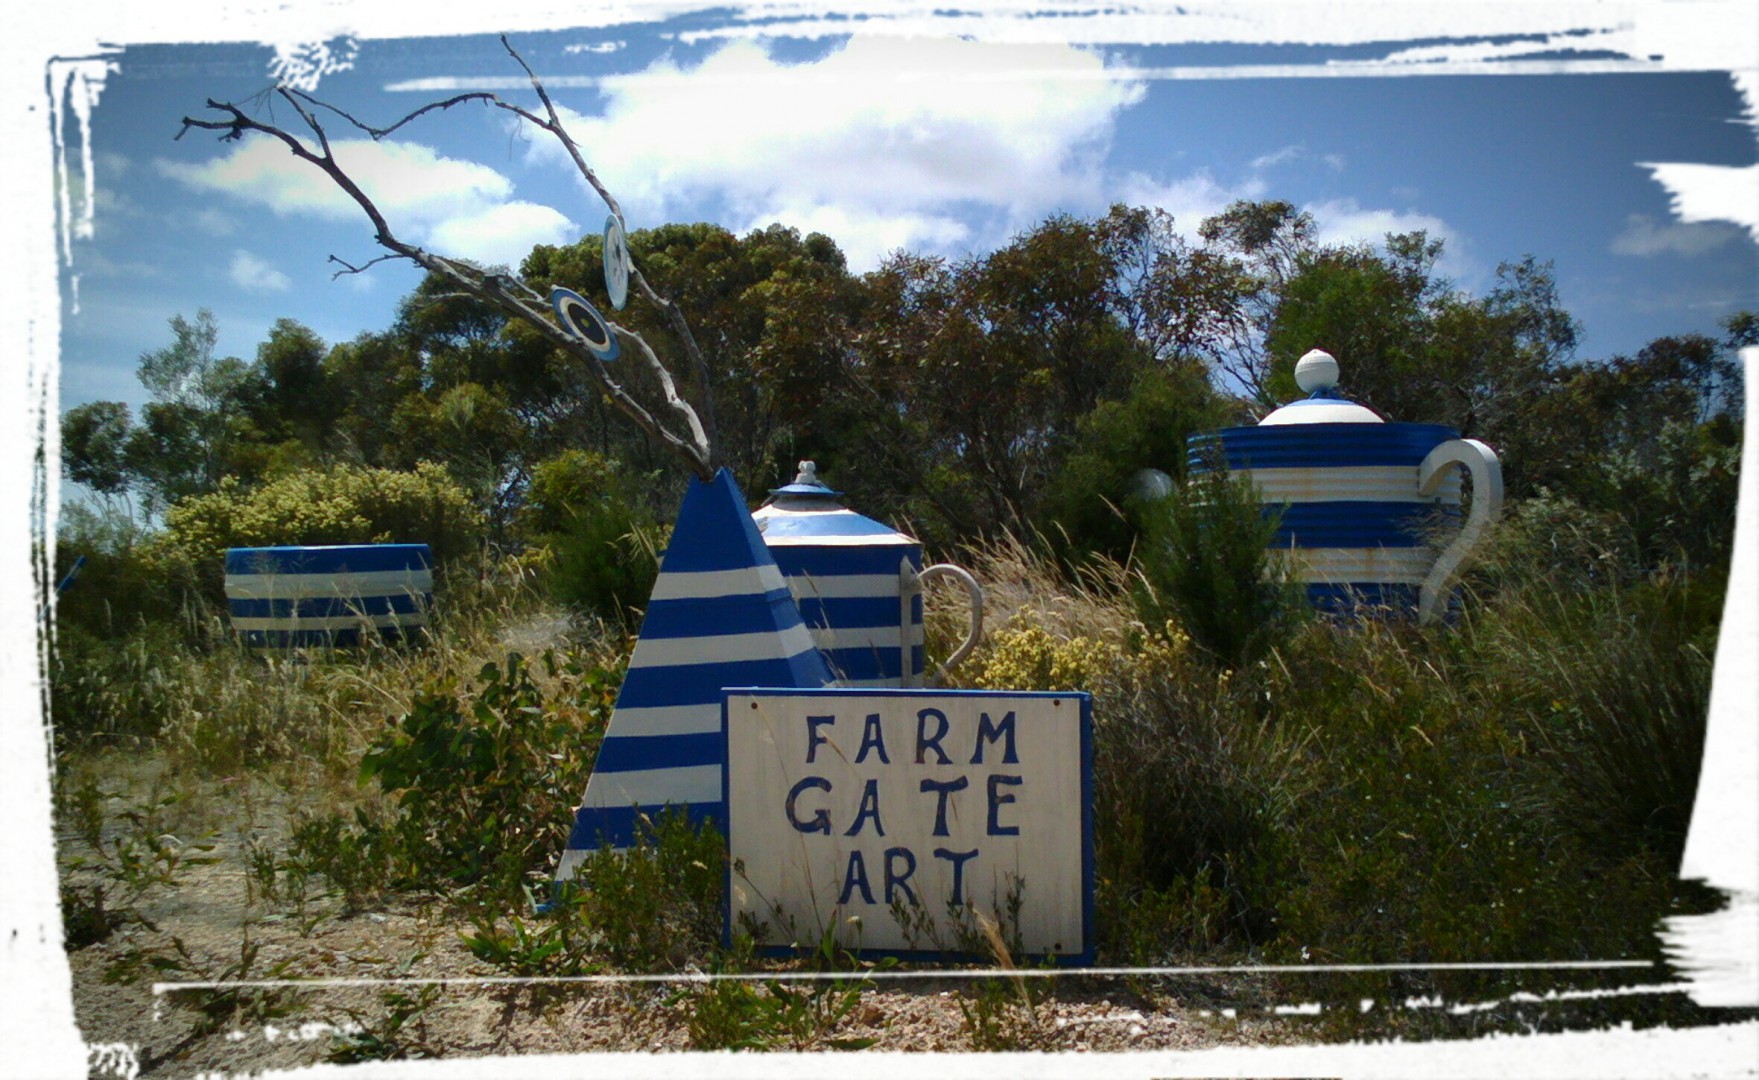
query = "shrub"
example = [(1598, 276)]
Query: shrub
[(486, 781), (1025, 656), (1196, 788), (342, 505), (600, 538), (1206, 565), (658, 904), (1088, 505), (122, 585), (1612, 686)]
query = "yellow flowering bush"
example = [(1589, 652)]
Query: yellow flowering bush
[(1023, 655), (343, 505)]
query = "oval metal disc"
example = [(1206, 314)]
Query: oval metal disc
[(616, 263), (583, 321)]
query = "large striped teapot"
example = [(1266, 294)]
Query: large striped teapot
[(1370, 509), (858, 584)]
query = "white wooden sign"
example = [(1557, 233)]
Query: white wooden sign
[(901, 820)]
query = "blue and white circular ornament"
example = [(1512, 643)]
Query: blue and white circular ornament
[(616, 263), (583, 321)]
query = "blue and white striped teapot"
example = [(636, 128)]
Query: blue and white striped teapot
[(858, 584), (1362, 500)]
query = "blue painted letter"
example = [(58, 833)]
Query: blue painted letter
[(855, 877), (896, 879), (996, 799), (871, 736), (943, 788), (991, 732), (813, 739), (821, 820), (958, 859), (924, 742), (870, 809)]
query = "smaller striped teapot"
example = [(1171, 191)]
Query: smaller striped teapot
[(858, 584), (1363, 500)]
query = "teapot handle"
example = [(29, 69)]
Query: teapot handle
[(912, 581), (1485, 469)]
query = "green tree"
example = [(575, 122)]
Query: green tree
[(94, 447), (369, 378), (992, 362), (773, 314), (296, 403), (1261, 244), (198, 415)]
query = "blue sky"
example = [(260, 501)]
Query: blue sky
[(936, 144)]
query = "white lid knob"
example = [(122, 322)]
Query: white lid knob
[(1317, 370)]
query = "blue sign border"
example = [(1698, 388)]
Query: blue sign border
[(1084, 958)]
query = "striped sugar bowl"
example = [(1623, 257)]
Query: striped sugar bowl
[(1371, 510), (858, 584), (296, 597)]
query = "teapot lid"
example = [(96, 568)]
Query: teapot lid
[(807, 490), (807, 512), (1317, 373)]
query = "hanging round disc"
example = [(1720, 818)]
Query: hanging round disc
[(584, 322), (616, 263)]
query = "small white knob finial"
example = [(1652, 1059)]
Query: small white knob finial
[(808, 473), (1317, 370)]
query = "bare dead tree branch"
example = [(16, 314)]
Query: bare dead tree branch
[(349, 268), (674, 315), (377, 133), (506, 293)]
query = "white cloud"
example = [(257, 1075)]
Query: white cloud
[(502, 234), (866, 237), (1294, 154), (1190, 199), (459, 208), (1643, 236), (1279, 157), (1345, 221), (253, 274), (406, 180), (887, 138)]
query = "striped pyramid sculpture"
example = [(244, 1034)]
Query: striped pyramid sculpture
[(720, 616)]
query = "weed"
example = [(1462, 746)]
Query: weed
[(735, 1014), (398, 1032), (262, 869), (86, 919), (140, 858), (216, 1007), (556, 945), (658, 904), (353, 856), (1001, 1014)]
